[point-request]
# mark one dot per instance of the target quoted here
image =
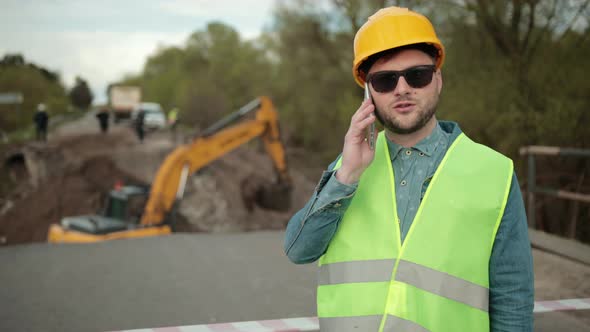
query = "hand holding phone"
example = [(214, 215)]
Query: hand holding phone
[(355, 155), (371, 130)]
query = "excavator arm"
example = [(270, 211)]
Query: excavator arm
[(217, 140)]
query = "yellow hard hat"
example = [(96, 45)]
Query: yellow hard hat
[(390, 28)]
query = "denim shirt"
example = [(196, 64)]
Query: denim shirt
[(413, 168), (311, 229)]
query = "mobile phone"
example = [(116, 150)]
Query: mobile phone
[(371, 131)]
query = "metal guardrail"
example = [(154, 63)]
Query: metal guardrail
[(533, 189)]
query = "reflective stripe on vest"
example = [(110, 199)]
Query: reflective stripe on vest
[(368, 323), (358, 271), (422, 277), (438, 279)]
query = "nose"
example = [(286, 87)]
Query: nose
[(402, 87)]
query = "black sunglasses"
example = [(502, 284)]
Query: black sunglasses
[(416, 77)]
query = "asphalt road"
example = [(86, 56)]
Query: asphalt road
[(182, 279)]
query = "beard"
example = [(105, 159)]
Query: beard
[(394, 124)]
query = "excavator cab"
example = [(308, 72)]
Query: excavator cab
[(122, 211), (126, 203)]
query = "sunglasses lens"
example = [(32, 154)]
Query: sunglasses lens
[(384, 82), (418, 77)]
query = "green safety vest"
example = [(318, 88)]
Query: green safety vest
[(438, 279), (172, 115)]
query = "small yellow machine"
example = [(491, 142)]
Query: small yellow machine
[(133, 211)]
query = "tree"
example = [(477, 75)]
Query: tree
[(12, 60), (519, 27), (80, 95), (213, 74), (505, 51), (36, 83)]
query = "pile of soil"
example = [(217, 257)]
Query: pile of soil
[(72, 175), (214, 201)]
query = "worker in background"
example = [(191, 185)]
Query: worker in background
[(140, 125), (41, 120), (103, 119), (173, 121), (427, 231)]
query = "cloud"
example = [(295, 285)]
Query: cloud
[(100, 57), (221, 9), (102, 41), (248, 16), (106, 56)]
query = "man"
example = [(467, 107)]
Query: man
[(173, 121), (427, 231), (103, 119), (139, 125), (173, 117), (41, 120)]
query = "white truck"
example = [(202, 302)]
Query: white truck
[(123, 99)]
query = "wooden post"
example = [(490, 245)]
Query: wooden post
[(531, 191)]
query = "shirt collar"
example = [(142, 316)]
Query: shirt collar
[(427, 145), (431, 142)]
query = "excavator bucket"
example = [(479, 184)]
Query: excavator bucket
[(275, 196), (265, 194)]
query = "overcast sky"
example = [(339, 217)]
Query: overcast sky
[(103, 40)]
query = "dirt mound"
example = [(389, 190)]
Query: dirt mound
[(214, 200)]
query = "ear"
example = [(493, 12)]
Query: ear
[(438, 77)]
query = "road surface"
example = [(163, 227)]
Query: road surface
[(182, 279)]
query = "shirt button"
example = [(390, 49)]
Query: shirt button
[(408, 152), (421, 154), (403, 183)]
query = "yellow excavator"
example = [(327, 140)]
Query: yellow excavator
[(134, 211)]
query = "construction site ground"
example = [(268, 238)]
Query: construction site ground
[(227, 265)]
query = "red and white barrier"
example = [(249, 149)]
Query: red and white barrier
[(562, 305), (310, 324), (305, 324)]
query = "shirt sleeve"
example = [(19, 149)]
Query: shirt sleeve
[(511, 269), (311, 229)]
